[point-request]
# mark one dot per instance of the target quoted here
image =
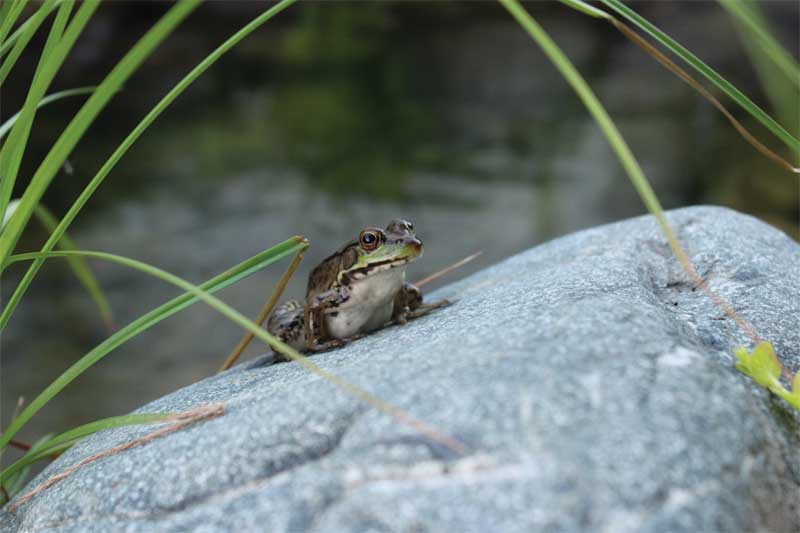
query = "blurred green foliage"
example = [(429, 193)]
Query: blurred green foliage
[(367, 127)]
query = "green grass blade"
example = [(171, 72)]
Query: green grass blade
[(50, 98), (709, 73), (778, 73), (55, 50), (84, 118), (236, 317), (146, 321), (16, 481), (586, 9), (69, 438), (95, 182), (750, 16), (615, 139), (79, 267), (78, 264), (14, 11), (4, 9), (30, 27), (6, 45)]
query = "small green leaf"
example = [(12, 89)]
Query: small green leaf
[(761, 365)]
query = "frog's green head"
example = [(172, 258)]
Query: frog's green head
[(378, 250)]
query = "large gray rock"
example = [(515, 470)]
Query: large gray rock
[(593, 389)]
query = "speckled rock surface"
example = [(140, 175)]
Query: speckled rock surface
[(592, 388)]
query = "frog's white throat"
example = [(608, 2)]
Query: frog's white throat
[(370, 303)]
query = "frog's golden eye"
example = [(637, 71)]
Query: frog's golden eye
[(370, 239)]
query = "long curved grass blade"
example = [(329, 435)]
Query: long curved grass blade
[(95, 182), (6, 45), (271, 302), (181, 420), (148, 320), (84, 118), (694, 84), (59, 43), (50, 98), (615, 139), (14, 10), (4, 9), (586, 9), (79, 267), (709, 73), (626, 158), (750, 16), (670, 65), (777, 71), (236, 317), (15, 481), (30, 27), (66, 439)]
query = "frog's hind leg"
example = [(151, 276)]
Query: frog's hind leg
[(287, 323)]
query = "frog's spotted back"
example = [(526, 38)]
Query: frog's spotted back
[(323, 277)]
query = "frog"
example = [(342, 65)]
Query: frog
[(357, 290)]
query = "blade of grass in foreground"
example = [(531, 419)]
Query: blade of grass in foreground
[(670, 65), (11, 14), (145, 322), (31, 25), (4, 9), (709, 73), (600, 115), (15, 482), (95, 182), (777, 71), (59, 43), (236, 317), (68, 438), (78, 265), (50, 98), (750, 15), (626, 158), (12, 39), (84, 118)]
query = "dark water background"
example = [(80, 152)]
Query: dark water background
[(339, 115)]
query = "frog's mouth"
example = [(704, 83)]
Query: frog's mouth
[(414, 252), (380, 266)]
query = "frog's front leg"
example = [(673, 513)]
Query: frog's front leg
[(408, 304), (318, 338)]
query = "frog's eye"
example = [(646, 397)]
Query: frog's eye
[(370, 239)]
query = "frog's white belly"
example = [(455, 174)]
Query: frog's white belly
[(369, 307)]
